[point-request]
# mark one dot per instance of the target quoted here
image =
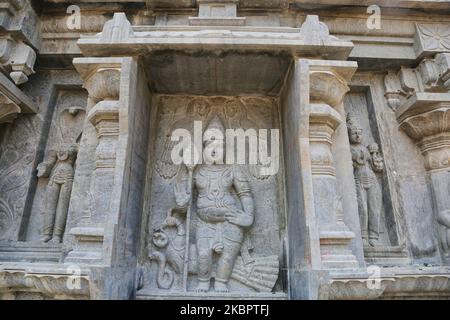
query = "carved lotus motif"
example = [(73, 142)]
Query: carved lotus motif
[(327, 87), (435, 36), (104, 84), (427, 124)]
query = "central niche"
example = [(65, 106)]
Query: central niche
[(226, 235)]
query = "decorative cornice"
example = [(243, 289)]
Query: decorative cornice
[(312, 38), (56, 284)]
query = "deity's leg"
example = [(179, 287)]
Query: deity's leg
[(61, 211), (445, 237), (51, 198), (361, 194), (225, 265), (204, 253), (448, 241), (375, 208)]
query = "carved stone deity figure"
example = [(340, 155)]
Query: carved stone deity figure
[(224, 207), (366, 162), (444, 226), (59, 168)]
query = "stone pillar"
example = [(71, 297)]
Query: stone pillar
[(328, 85), (424, 115), (431, 131), (102, 80)]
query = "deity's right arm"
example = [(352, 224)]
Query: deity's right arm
[(183, 190), (45, 168)]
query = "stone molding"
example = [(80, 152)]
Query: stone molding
[(46, 280), (312, 38)]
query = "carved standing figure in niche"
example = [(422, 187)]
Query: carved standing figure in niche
[(222, 219), (59, 168), (366, 162), (444, 229)]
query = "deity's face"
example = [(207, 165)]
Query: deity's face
[(202, 109), (66, 151), (63, 155), (355, 135), (213, 151), (160, 239), (231, 109)]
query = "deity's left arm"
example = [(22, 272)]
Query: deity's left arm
[(44, 168), (183, 189), (242, 188), (377, 161)]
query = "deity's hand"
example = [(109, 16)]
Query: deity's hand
[(182, 200), (171, 222), (190, 167), (42, 170), (239, 218)]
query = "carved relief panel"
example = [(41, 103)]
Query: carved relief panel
[(56, 171), (212, 227), (16, 156), (380, 220)]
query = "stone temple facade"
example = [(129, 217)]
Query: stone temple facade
[(92, 205)]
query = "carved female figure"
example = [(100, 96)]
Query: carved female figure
[(366, 161), (222, 219), (444, 229), (59, 167)]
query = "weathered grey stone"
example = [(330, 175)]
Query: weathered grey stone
[(93, 204)]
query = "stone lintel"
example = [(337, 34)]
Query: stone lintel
[(312, 39)]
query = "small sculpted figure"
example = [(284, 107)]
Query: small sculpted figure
[(366, 162), (59, 168)]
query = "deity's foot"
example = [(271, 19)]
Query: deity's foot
[(373, 242), (56, 240), (365, 242), (46, 238), (220, 286), (203, 286)]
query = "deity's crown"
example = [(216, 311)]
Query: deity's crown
[(214, 125), (352, 122)]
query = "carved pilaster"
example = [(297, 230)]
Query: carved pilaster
[(424, 115), (327, 89), (102, 80)]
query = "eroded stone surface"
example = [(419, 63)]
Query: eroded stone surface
[(92, 204)]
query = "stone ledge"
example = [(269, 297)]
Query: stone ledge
[(152, 295)]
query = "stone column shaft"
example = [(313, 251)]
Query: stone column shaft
[(328, 88)]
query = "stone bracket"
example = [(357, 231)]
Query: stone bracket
[(13, 101)]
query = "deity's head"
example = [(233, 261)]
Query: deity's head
[(232, 108), (67, 151), (213, 142), (198, 107), (374, 148), (160, 239), (354, 129)]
